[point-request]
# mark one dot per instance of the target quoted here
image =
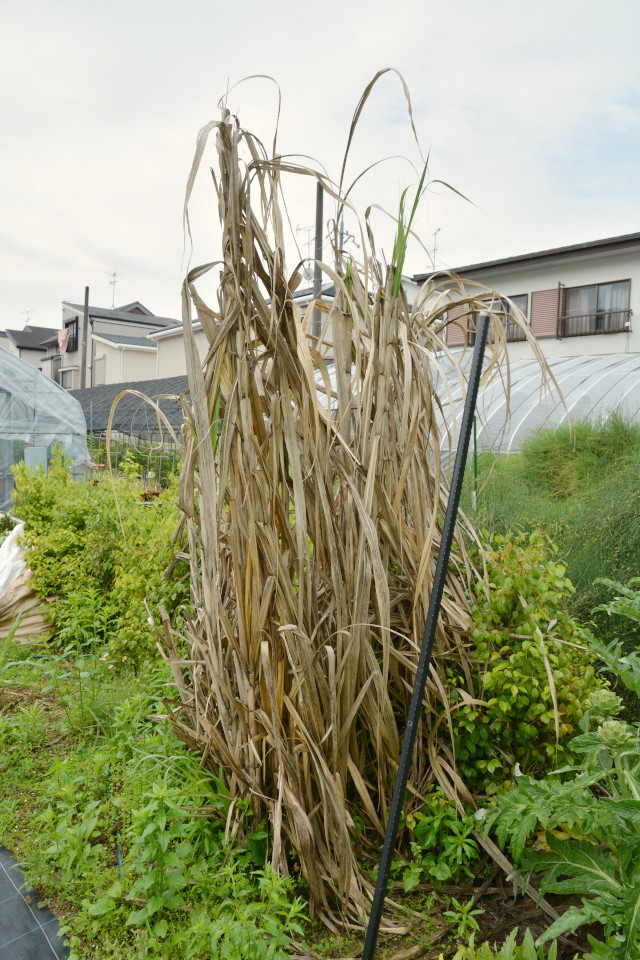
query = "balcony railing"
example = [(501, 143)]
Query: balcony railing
[(609, 321)]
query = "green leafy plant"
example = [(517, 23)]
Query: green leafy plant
[(590, 815), (510, 950), (442, 844), (462, 916), (536, 673), (626, 603)]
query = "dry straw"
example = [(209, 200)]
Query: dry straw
[(312, 523)]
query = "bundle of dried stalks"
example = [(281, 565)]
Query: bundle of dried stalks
[(312, 526)]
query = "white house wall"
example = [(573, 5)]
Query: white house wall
[(123, 366), (595, 269)]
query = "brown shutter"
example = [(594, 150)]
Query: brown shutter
[(456, 329), (544, 313)]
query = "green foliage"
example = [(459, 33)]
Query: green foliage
[(567, 460), (442, 844), (534, 681), (590, 814), (510, 950), (627, 602), (123, 824), (100, 549), (161, 461), (462, 916), (6, 525), (582, 487)]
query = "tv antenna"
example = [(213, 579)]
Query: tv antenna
[(114, 279), (435, 246), (28, 313), (307, 244)]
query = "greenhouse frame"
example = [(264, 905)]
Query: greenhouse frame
[(36, 415)]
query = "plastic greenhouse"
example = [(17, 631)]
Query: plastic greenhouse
[(36, 414), (591, 388), (588, 388)]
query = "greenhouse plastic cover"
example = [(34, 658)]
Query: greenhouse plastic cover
[(588, 388), (36, 414)]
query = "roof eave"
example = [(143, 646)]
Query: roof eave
[(610, 245)]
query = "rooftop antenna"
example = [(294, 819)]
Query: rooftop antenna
[(435, 246), (28, 313), (308, 265), (114, 279), (345, 237)]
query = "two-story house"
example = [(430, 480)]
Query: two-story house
[(117, 345), (27, 343), (578, 300)]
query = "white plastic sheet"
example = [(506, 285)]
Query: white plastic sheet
[(12, 561)]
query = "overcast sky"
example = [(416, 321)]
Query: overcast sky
[(530, 109)]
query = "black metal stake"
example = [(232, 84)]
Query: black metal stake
[(422, 671)]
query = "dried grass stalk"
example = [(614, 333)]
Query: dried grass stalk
[(313, 524)]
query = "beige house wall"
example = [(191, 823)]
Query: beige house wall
[(115, 365), (171, 360)]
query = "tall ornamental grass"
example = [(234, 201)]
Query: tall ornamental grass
[(312, 521)]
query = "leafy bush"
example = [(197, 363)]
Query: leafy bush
[(590, 813), (533, 680), (100, 550), (442, 844)]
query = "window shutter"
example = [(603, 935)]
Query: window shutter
[(457, 324), (544, 313)]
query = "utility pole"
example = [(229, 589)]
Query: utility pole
[(317, 270), (83, 344)]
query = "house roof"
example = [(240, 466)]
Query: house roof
[(135, 307), (132, 415), (30, 338), (609, 245), (126, 341), (102, 313), (327, 290)]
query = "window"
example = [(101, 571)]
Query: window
[(505, 306), (597, 308), (66, 379), (521, 302), (72, 327)]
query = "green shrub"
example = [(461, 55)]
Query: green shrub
[(442, 844), (100, 550), (590, 812), (535, 675)]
